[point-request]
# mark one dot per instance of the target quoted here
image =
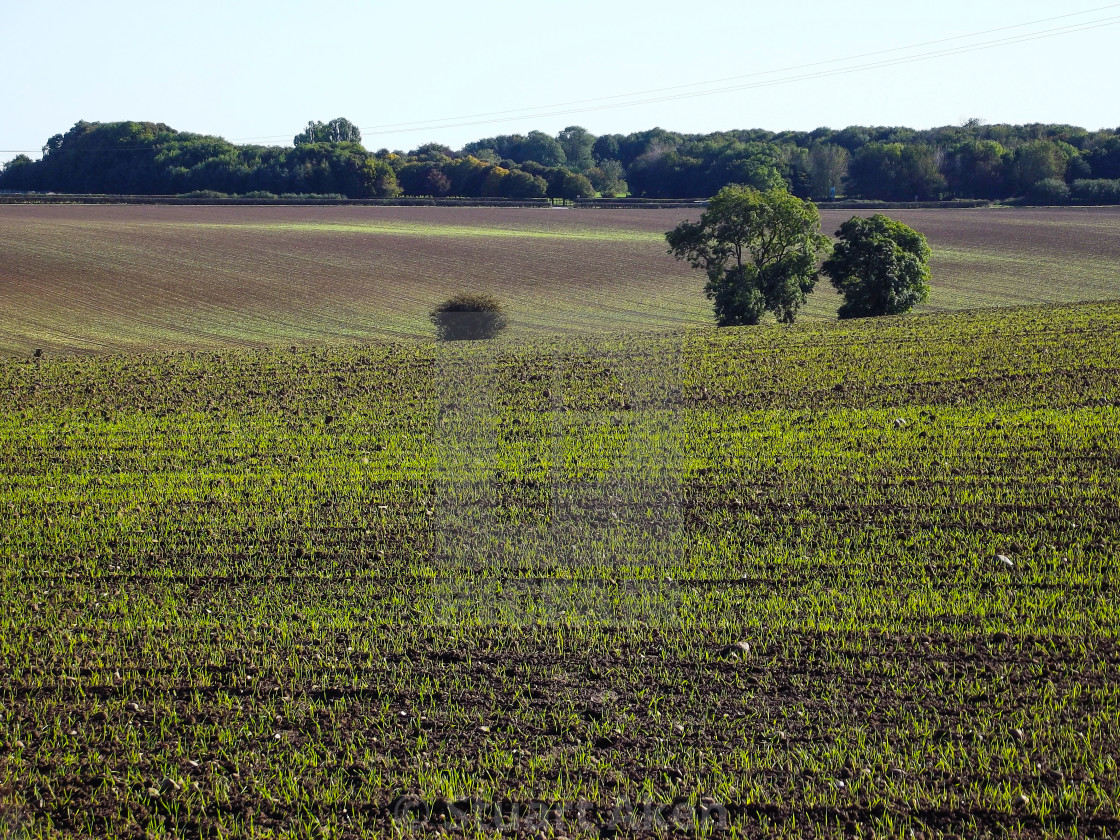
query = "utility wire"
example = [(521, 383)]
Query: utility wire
[(541, 112), (454, 121), (1099, 24)]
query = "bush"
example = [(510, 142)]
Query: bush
[(1049, 191), (1096, 191), (312, 196), (469, 317)]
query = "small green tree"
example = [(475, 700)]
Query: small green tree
[(570, 185), (469, 317), (759, 249), (880, 266), (608, 178)]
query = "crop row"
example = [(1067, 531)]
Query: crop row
[(268, 592)]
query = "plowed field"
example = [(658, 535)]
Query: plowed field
[(842, 579), (106, 278)]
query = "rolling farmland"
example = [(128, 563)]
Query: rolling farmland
[(744, 582), (298, 574), (120, 279)]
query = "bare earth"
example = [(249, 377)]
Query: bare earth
[(118, 279)]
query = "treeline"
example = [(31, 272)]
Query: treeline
[(131, 158), (1034, 163)]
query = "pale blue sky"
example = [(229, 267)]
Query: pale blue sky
[(248, 69)]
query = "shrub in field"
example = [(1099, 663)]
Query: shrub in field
[(880, 266), (759, 249), (1096, 191), (204, 194), (1049, 191), (312, 196), (469, 317)]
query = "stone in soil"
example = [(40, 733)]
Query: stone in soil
[(736, 650)]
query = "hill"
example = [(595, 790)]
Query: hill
[(337, 590), (119, 279)]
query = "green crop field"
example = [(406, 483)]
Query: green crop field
[(406, 588), (137, 278)]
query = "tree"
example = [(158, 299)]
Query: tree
[(338, 130), (1096, 191), (852, 138), (1039, 160), (894, 163), (759, 250), (545, 150), (523, 185), (828, 166), (570, 185), (880, 266), (605, 148), (494, 183), (754, 164), (895, 172), (1049, 191), (577, 143), (469, 317), (17, 162), (434, 152), (1104, 158), (488, 156), (468, 175), (437, 183), (344, 168), (378, 179), (977, 169), (608, 178)]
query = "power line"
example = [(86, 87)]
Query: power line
[(545, 111), (454, 122), (541, 114)]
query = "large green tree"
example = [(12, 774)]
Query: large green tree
[(1039, 160), (338, 130), (895, 172), (1104, 157), (577, 143), (977, 169), (828, 166), (760, 250), (545, 150), (880, 265)]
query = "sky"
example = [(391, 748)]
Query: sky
[(452, 72)]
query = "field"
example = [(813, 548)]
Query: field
[(121, 279), (408, 588)]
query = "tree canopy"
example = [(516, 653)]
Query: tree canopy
[(760, 250), (1034, 162), (339, 130), (880, 265)]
